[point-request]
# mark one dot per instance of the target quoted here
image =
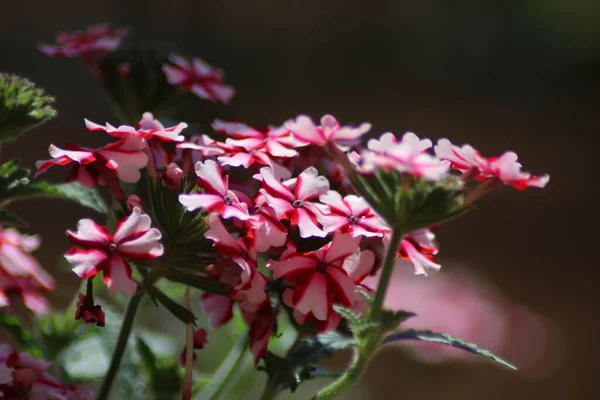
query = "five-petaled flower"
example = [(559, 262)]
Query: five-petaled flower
[(409, 156), (296, 202), (217, 197), (329, 132), (504, 169), (351, 215), (92, 44), (199, 78), (319, 277), (98, 250)]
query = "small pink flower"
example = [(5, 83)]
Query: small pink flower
[(20, 273), (217, 197), (171, 178), (409, 156), (199, 78), (351, 215), (330, 131), (100, 251), (296, 203), (97, 167), (92, 44), (505, 169), (318, 277)]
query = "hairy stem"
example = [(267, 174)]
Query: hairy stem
[(368, 345), (132, 308), (189, 351)]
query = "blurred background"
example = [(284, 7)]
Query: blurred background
[(519, 75)]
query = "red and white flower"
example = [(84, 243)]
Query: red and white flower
[(266, 230), (97, 167), (504, 169), (217, 197), (409, 156), (419, 248), (100, 251), (20, 273), (351, 214), (23, 376), (147, 128), (330, 131), (199, 78), (261, 327), (319, 278), (93, 43), (296, 202)]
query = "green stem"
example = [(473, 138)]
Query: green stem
[(228, 369), (270, 390), (368, 345), (132, 308)]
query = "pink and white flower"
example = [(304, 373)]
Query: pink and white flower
[(504, 169), (351, 214), (217, 197), (419, 248), (98, 250), (296, 202), (409, 156), (147, 128), (266, 230), (20, 273), (97, 167), (318, 277), (330, 131), (93, 43), (199, 78)]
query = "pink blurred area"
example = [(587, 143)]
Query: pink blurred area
[(458, 302)]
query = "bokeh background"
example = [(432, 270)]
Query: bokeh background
[(499, 74)]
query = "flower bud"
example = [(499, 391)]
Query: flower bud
[(171, 178)]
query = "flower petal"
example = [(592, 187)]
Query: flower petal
[(145, 247)]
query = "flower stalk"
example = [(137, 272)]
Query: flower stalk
[(130, 313)]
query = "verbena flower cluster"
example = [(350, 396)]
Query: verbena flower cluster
[(289, 218)]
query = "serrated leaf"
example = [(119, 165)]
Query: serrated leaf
[(179, 311), (74, 191), (391, 319), (365, 295), (443, 338), (8, 218), (302, 359), (353, 319)]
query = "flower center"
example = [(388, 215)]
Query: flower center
[(112, 248), (353, 219), (321, 266), (228, 200), (297, 203), (255, 210)]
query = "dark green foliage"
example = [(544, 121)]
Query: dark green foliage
[(23, 106)]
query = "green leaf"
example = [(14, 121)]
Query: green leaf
[(8, 218), (442, 338), (23, 106), (74, 191), (198, 282), (179, 311), (391, 319), (353, 319), (13, 325), (301, 362)]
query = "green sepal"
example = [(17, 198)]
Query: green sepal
[(179, 311)]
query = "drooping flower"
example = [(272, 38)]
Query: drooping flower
[(20, 273), (97, 167), (351, 214), (100, 251), (419, 248), (318, 277), (296, 202), (199, 78), (329, 132), (91, 45), (217, 197), (23, 376), (504, 169), (87, 309), (172, 176), (409, 156), (261, 327)]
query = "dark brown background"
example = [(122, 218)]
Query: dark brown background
[(499, 74)]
